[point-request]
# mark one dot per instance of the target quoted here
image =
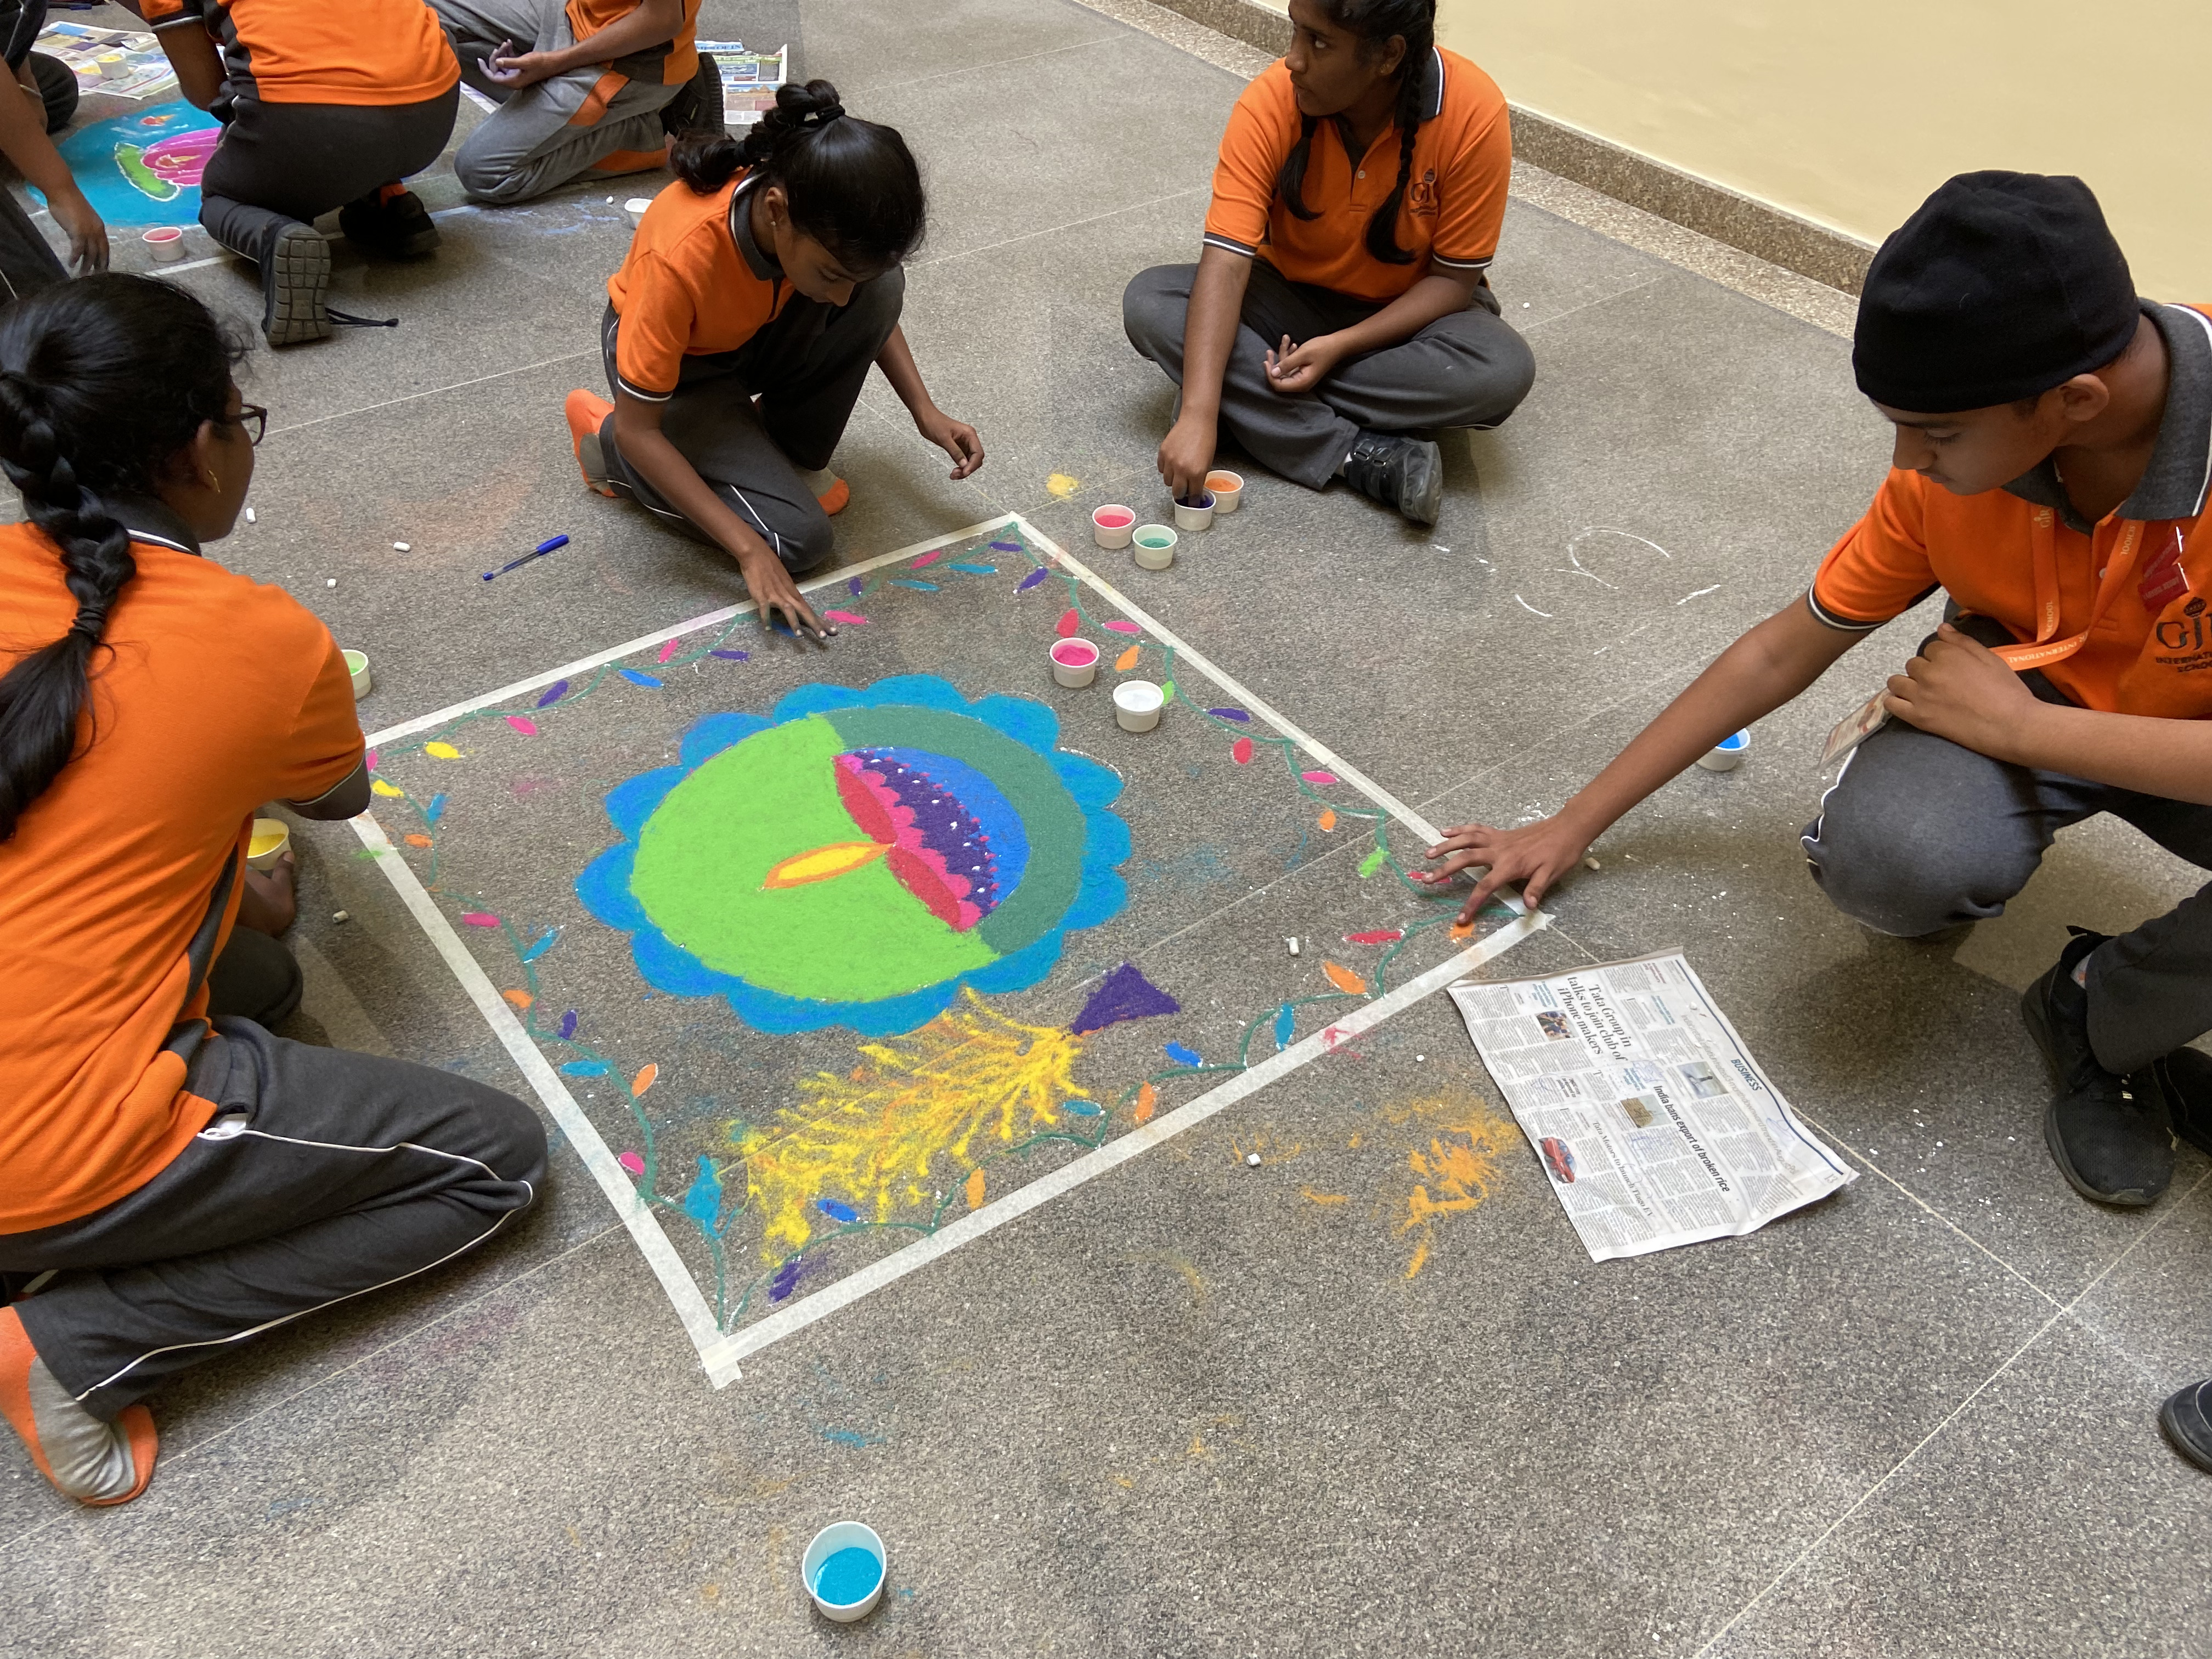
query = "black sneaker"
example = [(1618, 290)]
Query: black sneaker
[(698, 107), (1407, 474), (399, 227), (296, 277), (2108, 1133), (2186, 1426)]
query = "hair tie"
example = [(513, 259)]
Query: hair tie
[(91, 620), (821, 118)]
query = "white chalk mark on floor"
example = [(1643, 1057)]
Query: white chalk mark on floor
[(1531, 609)]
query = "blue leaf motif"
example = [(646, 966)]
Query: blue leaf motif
[(543, 944), (835, 1211)]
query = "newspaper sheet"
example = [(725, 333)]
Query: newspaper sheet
[(1654, 1123), (128, 65), (749, 78)]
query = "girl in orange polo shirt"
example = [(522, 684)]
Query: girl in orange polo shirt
[(177, 1179), (322, 107), (739, 331), (1339, 307)]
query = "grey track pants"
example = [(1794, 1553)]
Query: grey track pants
[(1467, 369), (1919, 835), (542, 136), (806, 368), (323, 1175)]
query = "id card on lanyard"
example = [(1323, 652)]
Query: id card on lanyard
[(1870, 716)]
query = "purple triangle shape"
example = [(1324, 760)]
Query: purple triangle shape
[(1125, 993)]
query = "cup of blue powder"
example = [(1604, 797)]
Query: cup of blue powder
[(843, 1570)]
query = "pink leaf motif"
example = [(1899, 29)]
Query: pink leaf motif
[(480, 919), (523, 724), (1121, 627)]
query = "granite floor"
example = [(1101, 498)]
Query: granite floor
[(1194, 1405)]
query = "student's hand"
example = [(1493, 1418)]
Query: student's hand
[(87, 236), (956, 438), (1185, 457), (774, 594), (508, 68), (1961, 690), (270, 900), (1535, 855), (1292, 370)]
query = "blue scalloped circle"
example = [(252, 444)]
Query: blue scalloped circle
[(604, 886)]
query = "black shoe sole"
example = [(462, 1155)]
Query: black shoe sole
[(2035, 1016), (1421, 494), (296, 283), (2169, 1422)]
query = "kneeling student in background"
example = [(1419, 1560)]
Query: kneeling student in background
[(1340, 309), (2049, 476)]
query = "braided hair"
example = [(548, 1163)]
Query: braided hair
[(853, 184), (102, 382), (1375, 23)]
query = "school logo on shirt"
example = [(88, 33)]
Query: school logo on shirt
[(2184, 634), (1421, 196)]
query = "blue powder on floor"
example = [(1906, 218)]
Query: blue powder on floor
[(848, 1576)]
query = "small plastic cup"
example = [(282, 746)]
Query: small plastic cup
[(1111, 525), (1228, 488), (1195, 514), (635, 207), (1074, 662), (1155, 546), (840, 1535), (1137, 705), (165, 243), (1727, 754), (357, 665), (267, 843)]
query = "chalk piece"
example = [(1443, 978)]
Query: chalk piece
[(401, 547), (1418, 1059), (331, 582), (249, 515), (1591, 864), (1294, 943), (340, 915), (1252, 1159), (610, 202)]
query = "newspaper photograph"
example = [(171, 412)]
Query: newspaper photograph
[(1653, 1122)]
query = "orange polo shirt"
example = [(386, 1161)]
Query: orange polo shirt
[(212, 695), (695, 284), (280, 51), (2150, 651), (1455, 200), (672, 64)]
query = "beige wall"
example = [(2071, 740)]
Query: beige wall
[(1850, 112)]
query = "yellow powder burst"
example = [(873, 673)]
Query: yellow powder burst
[(1454, 1172), (871, 1137), (1063, 486)]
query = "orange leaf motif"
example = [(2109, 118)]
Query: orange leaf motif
[(644, 1080), (519, 998), (1328, 818), (1127, 659), (975, 1189), (1344, 980), (1148, 1098)]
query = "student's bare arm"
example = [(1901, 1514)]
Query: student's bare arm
[(646, 447), (1960, 689), (650, 23), (956, 438), (346, 799), (1299, 366), (1773, 663), (23, 141), (1216, 306), (190, 51)]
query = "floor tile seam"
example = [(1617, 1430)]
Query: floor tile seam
[(1054, 230), (971, 67), (2073, 1308), (1873, 1491), (1602, 299), (170, 1460), (431, 392)]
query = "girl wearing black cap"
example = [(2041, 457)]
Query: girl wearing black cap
[(2049, 476), (739, 331)]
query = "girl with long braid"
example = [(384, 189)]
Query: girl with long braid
[(1340, 305), (738, 333), (177, 1179)]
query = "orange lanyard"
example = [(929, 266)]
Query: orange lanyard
[(2046, 650)]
